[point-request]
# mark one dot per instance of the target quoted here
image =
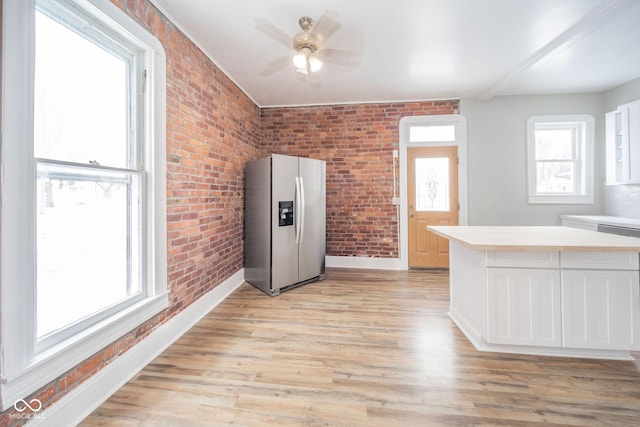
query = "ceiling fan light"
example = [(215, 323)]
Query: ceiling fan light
[(300, 60), (314, 64)]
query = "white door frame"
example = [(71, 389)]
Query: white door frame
[(460, 123)]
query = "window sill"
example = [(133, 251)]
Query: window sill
[(54, 362), (561, 200)]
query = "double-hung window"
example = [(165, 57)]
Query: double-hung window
[(83, 191), (560, 159)]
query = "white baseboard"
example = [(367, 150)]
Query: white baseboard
[(364, 262), (84, 399)]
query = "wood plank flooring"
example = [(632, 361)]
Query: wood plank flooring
[(362, 348)]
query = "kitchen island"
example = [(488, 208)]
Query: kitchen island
[(545, 290)]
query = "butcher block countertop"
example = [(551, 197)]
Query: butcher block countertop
[(535, 238)]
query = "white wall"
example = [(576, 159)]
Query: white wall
[(622, 94), (622, 200), (496, 135)]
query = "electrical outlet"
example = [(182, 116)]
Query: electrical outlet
[(395, 201), (395, 154)]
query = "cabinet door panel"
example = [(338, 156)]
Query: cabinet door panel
[(601, 309), (634, 142), (523, 306), (622, 135), (613, 144)]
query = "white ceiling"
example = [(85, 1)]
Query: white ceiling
[(420, 49)]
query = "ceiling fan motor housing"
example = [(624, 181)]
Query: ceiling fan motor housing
[(305, 39)]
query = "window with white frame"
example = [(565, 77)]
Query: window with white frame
[(560, 159), (84, 233)]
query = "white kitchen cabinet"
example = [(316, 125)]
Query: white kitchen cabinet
[(523, 307), (555, 291), (600, 309), (622, 135)]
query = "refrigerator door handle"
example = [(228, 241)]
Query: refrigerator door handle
[(298, 203), (302, 210)]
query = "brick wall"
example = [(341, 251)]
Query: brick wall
[(213, 129), (357, 142)]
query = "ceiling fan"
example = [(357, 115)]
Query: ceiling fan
[(308, 45)]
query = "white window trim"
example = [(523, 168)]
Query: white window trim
[(22, 370), (460, 123), (585, 156)]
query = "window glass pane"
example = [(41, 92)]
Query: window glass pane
[(88, 217), (81, 98), (555, 177), (432, 184), (433, 133), (554, 144), (87, 233)]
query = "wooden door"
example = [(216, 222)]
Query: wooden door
[(432, 198)]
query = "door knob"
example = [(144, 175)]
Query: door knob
[(410, 215)]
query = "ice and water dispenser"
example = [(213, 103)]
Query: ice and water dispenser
[(285, 213)]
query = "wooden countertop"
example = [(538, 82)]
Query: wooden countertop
[(536, 238)]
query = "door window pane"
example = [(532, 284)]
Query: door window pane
[(432, 184), (432, 133)]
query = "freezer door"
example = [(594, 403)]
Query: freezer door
[(257, 239), (284, 250), (312, 244)]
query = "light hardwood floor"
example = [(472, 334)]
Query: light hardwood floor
[(362, 348)]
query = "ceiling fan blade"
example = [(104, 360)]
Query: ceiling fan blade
[(326, 26), (274, 32), (276, 65), (348, 58)]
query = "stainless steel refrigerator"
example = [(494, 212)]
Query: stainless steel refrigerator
[(285, 230)]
